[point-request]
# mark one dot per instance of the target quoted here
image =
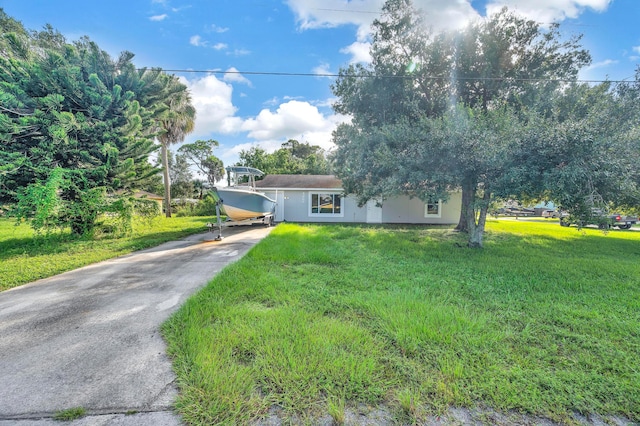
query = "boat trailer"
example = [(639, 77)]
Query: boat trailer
[(267, 220)]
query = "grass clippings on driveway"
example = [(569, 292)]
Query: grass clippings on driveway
[(544, 321)]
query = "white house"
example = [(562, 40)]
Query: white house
[(320, 198)]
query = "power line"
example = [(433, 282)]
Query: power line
[(348, 11), (283, 74), (391, 76)]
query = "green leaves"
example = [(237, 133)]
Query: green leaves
[(74, 125), (292, 158), (440, 112), (40, 203), (583, 151)]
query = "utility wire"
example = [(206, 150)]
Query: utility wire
[(349, 11), (391, 76)]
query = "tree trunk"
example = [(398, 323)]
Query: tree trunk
[(476, 235), (167, 182), (468, 194)]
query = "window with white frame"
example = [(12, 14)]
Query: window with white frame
[(324, 204), (433, 208)]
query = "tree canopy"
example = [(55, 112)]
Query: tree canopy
[(453, 111), (181, 176), (292, 158), (75, 126), (200, 155), (582, 151)]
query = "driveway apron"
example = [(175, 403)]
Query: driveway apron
[(90, 337)]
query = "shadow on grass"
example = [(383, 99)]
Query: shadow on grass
[(56, 244), (36, 245)]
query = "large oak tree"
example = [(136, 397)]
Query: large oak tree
[(489, 72)]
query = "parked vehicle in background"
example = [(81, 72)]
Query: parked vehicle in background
[(514, 211), (554, 214), (602, 219)]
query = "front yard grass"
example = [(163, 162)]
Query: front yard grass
[(26, 256), (544, 321)]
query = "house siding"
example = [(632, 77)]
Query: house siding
[(407, 210), (295, 207)]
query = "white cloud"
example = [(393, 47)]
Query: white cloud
[(219, 30), (157, 18), (548, 11), (220, 46), (636, 49), (196, 40), (601, 64), (322, 70), (291, 119), (438, 14), (271, 102), (232, 75), (597, 71), (179, 9), (359, 52), (326, 103), (445, 14), (239, 52), (215, 111), (321, 136), (312, 14)]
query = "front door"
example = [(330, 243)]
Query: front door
[(374, 212), (280, 206)]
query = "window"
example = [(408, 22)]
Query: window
[(433, 208), (326, 204)]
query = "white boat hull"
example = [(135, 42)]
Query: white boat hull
[(240, 204)]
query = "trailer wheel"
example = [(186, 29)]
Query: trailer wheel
[(625, 226)]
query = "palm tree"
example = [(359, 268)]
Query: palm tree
[(175, 122)]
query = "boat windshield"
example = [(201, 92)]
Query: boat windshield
[(240, 170), (242, 177)]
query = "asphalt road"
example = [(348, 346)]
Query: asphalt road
[(90, 337)]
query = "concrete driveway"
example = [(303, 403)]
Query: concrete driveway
[(90, 337)]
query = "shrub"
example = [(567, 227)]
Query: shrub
[(204, 207)]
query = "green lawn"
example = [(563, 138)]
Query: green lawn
[(544, 320), (26, 257)]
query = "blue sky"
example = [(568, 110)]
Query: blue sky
[(241, 109)]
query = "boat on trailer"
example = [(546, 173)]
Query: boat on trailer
[(240, 201)]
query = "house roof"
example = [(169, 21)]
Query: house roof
[(300, 181)]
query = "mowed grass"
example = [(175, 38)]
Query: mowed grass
[(544, 320), (26, 256)]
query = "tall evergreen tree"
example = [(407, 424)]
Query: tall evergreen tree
[(75, 125)]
